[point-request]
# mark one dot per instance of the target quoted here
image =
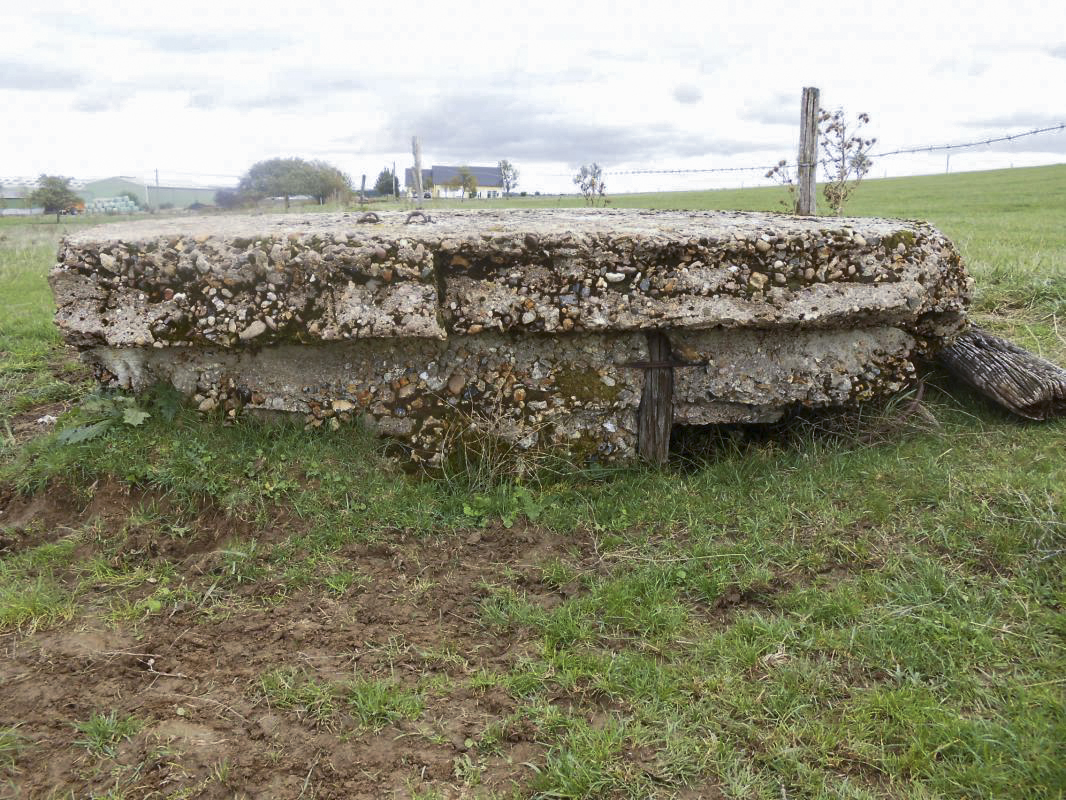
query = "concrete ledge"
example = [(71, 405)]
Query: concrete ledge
[(528, 322)]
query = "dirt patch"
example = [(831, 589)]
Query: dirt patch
[(409, 617), (30, 521), (35, 421), (37, 519)]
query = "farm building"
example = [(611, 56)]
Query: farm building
[(13, 197), (148, 194), (438, 178), (107, 191), (15, 190)]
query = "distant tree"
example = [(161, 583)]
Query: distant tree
[(386, 182), (54, 194), (846, 155), (467, 181), (508, 175), (227, 198), (455, 182), (590, 181), (278, 177), (327, 181)]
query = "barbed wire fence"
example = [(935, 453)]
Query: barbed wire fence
[(928, 148), (794, 164)]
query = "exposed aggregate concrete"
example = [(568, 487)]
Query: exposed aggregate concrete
[(533, 317)]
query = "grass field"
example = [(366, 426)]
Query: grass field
[(189, 609)]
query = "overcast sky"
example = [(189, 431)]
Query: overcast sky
[(202, 90)]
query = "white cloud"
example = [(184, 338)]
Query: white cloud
[(213, 85), (30, 77), (686, 93)]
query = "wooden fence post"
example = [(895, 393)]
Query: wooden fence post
[(655, 417), (416, 148), (807, 160)]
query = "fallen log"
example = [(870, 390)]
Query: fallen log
[(1020, 381)]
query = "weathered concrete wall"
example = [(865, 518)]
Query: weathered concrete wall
[(528, 322)]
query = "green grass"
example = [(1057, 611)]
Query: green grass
[(31, 604), (376, 702), (291, 688), (372, 703), (33, 368), (808, 614), (30, 596), (101, 734), (11, 744)]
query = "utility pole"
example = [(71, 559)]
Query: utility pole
[(156, 185), (416, 148), (947, 164), (362, 191), (395, 183)]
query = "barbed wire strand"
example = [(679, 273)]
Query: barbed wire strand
[(765, 167), (902, 151), (931, 148)]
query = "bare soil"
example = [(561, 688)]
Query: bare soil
[(192, 678)]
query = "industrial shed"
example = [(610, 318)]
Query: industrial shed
[(148, 194)]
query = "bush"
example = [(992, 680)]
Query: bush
[(228, 198)]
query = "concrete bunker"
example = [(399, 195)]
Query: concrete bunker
[(592, 332)]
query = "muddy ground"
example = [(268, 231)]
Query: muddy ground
[(190, 671)]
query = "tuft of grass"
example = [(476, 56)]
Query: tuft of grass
[(30, 604), (377, 702), (589, 763), (222, 771), (341, 581), (467, 770), (102, 733), (11, 744), (292, 688), (240, 562)]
